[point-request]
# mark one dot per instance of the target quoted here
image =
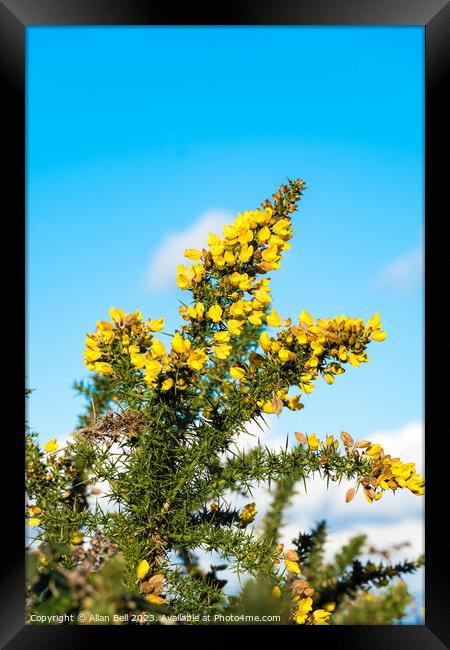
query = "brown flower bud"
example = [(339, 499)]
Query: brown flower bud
[(299, 587), (347, 439), (291, 556), (129, 319), (349, 495), (153, 585), (277, 405), (301, 437)]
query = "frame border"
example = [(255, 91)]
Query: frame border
[(434, 16)]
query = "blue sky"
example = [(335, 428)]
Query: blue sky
[(138, 136)]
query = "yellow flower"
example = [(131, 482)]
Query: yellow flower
[(244, 281), (255, 318), (374, 322), (229, 258), (152, 370), (328, 377), (179, 344), (284, 354), (313, 443), (246, 253), (142, 569), (184, 276), (192, 254), (77, 538), (292, 567), (279, 549), (378, 336), (306, 318), (105, 331), (276, 592), (263, 234), (267, 406), (235, 326), (264, 341), (198, 270), (262, 296), (282, 227), (167, 384), (213, 240), (237, 373), (293, 403), (222, 351), (270, 254), (342, 353), (248, 513), (197, 359), (237, 309), (92, 354), (316, 348), (320, 617), (303, 608), (117, 315), (156, 325), (416, 484), (196, 311), (34, 521), (353, 359), (138, 360), (154, 599), (215, 313), (158, 347), (373, 450), (103, 368), (222, 337), (274, 319), (329, 607), (51, 445)]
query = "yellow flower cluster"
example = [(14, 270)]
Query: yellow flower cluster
[(390, 474), (247, 514), (254, 243), (32, 511), (305, 614), (387, 473), (152, 587), (306, 350), (303, 594), (227, 297), (51, 446), (129, 335), (324, 346)]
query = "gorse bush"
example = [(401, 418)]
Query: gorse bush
[(166, 410)]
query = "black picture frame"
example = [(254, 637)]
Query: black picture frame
[(15, 16)]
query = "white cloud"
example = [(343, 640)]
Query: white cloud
[(408, 442), (403, 274), (160, 273)]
